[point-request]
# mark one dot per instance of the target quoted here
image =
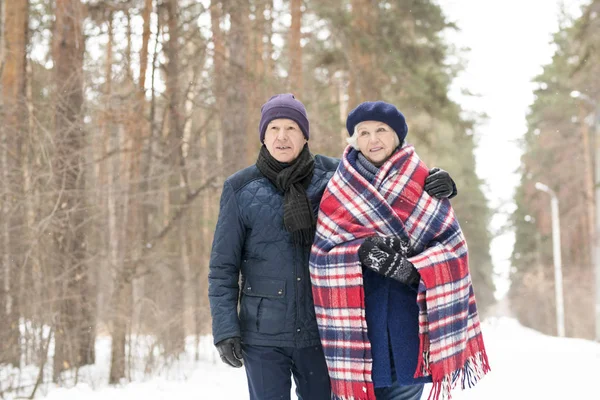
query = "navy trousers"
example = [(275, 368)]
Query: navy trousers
[(397, 392), (269, 371)]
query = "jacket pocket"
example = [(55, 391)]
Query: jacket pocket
[(264, 305)]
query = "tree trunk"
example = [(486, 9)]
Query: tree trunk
[(268, 56), (219, 78), (261, 30), (120, 298), (589, 187), (139, 133), (105, 194), (2, 25), (175, 333), (148, 315), (202, 271), (295, 78), (13, 131), (344, 105), (234, 118), (134, 231), (121, 301), (144, 51), (33, 265), (363, 71), (75, 322), (257, 83), (122, 291), (147, 164)]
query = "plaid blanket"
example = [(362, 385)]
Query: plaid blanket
[(451, 345)]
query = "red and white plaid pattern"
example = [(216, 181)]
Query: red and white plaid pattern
[(451, 345)]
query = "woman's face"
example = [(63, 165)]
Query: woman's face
[(284, 139), (376, 141)]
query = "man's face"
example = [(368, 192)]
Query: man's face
[(284, 139)]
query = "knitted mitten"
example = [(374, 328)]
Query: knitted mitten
[(388, 257)]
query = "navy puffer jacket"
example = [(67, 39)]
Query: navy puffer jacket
[(255, 261)]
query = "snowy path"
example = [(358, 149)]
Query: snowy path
[(525, 365)]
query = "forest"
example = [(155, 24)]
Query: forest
[(122, 118)]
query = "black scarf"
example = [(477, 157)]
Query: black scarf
[(292, 179)]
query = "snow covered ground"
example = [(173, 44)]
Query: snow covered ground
[(525, 365)]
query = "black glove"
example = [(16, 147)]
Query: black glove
[(230, 351), (439, 184), (388, 257)]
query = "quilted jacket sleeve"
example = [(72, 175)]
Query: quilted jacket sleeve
[(225, 260)]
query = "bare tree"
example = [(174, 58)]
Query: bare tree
[(122, 297), (75, 315), (13, 132)]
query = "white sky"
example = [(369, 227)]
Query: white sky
[(509, 42)]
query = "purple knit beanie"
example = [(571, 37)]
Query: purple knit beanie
[(283, 106)]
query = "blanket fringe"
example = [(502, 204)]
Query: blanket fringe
[(423, 360), (473, 370)]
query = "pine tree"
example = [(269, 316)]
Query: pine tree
[(13, 139), (557, 152)]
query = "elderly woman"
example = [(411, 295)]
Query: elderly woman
[(389, 267)]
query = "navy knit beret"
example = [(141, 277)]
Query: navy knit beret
[(283, 106), (378, 111)]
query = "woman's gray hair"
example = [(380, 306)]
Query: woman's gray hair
[(353, 140)]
